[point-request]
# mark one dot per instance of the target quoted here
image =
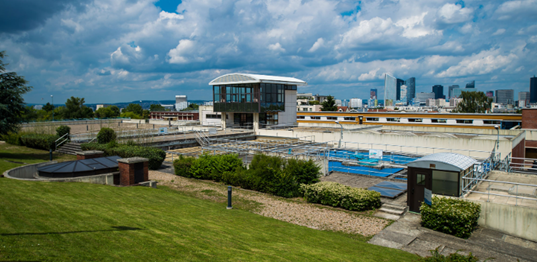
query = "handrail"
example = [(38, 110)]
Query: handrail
[(66, 134), (56, 144)]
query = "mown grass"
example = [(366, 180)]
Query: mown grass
[(48, 221), (77, 221), (12, 156)]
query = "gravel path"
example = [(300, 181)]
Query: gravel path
[(304, 214)]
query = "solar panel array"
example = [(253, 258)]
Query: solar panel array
[(389, 189)]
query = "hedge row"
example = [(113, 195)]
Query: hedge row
[(156, 156), (451, 216), (269, 174), (338, 195), (38, 141)]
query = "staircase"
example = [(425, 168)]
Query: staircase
[(202, 138), (391, 211), (70, 148)]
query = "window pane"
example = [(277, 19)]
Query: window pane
[(445, 183), (420, 179)]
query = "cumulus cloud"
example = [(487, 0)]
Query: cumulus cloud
[(483, 63), (276, 47), (452, 14), (183, 53), (318, 44)]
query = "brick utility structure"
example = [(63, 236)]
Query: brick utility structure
[(133, 170), (82, 155)]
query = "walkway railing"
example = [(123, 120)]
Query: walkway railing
[(514, 190)]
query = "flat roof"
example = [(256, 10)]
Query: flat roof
[(240, 78)]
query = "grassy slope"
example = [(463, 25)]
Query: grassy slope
[(25, 155), (76, 221)]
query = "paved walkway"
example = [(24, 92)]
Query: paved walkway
[(408, 235)]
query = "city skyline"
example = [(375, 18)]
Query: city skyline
[(158, 49)]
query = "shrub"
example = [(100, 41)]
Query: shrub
[(182, 166), (213, 166), (451, 216), (38, 141), (62, 130), (13, 138), (106, 135), (156, 156), (338, 195)]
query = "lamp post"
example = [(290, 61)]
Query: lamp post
[(497, 141), (341, 136), (52, 97)]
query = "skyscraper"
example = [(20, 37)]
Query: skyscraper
[(505, 96), (410, 89), (523, 99), (533, 89), (438, 91), (450, 92), (372, 102), (471, 84), (390, 90), (403, 94)]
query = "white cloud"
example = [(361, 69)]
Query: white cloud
[(483, 63), (183, 53), (452, 14), (499, 31), (276, 47), (165, 15), (369, 76), (319, 43)]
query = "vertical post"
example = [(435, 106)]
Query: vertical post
[(52, 97), (229, 198), (50, 152)]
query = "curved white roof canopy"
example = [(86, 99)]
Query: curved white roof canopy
[(238, 78), (444, 161)]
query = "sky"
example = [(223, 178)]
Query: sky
[(124, 50)]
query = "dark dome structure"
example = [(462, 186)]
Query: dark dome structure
[(86, 167)]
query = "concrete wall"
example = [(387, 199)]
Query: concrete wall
[(518, 221), (289, 116), (402, 142), (29, 172)]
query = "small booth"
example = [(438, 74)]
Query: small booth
[(441, 173)]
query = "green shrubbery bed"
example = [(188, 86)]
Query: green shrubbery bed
[(269, 174), (451, 216), (156, 156), (38, 141), (338, 195)]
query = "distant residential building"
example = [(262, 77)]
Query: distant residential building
[(505, 96), (168, 107), (180, 102), (438, 91), (450, 91), (454, 101), (338, 102), (490, 93), (471, 84), (355, 103), (101, 106), (38, 107), (523, 99), (533, 89)]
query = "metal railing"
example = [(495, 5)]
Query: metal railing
[(512, 189), (523, 165), (62, 140)]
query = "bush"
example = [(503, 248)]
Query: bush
[(451, 216), (269, 174), (106, 135), (338, 195), (38, 141), (13, 138), (156, 156), (62, 130)]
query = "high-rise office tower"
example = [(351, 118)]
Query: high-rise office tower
[(390, 90), (523, 99), (450, 92), (505, 96), (372, 101), (410, 89), (438, 91), (400, 82), (471, 84), (533, 89), (403, 94)]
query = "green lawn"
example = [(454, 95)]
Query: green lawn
[(13, 156), (86, 222)]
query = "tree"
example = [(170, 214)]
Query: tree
[(48, 107), (76, 109), (329, 104), (313, 102), (131, 115), (12, 87), (146, 114), (156, 107), (135, 108), (115, 110), (191, 107), (104, 112), (473, 102)]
